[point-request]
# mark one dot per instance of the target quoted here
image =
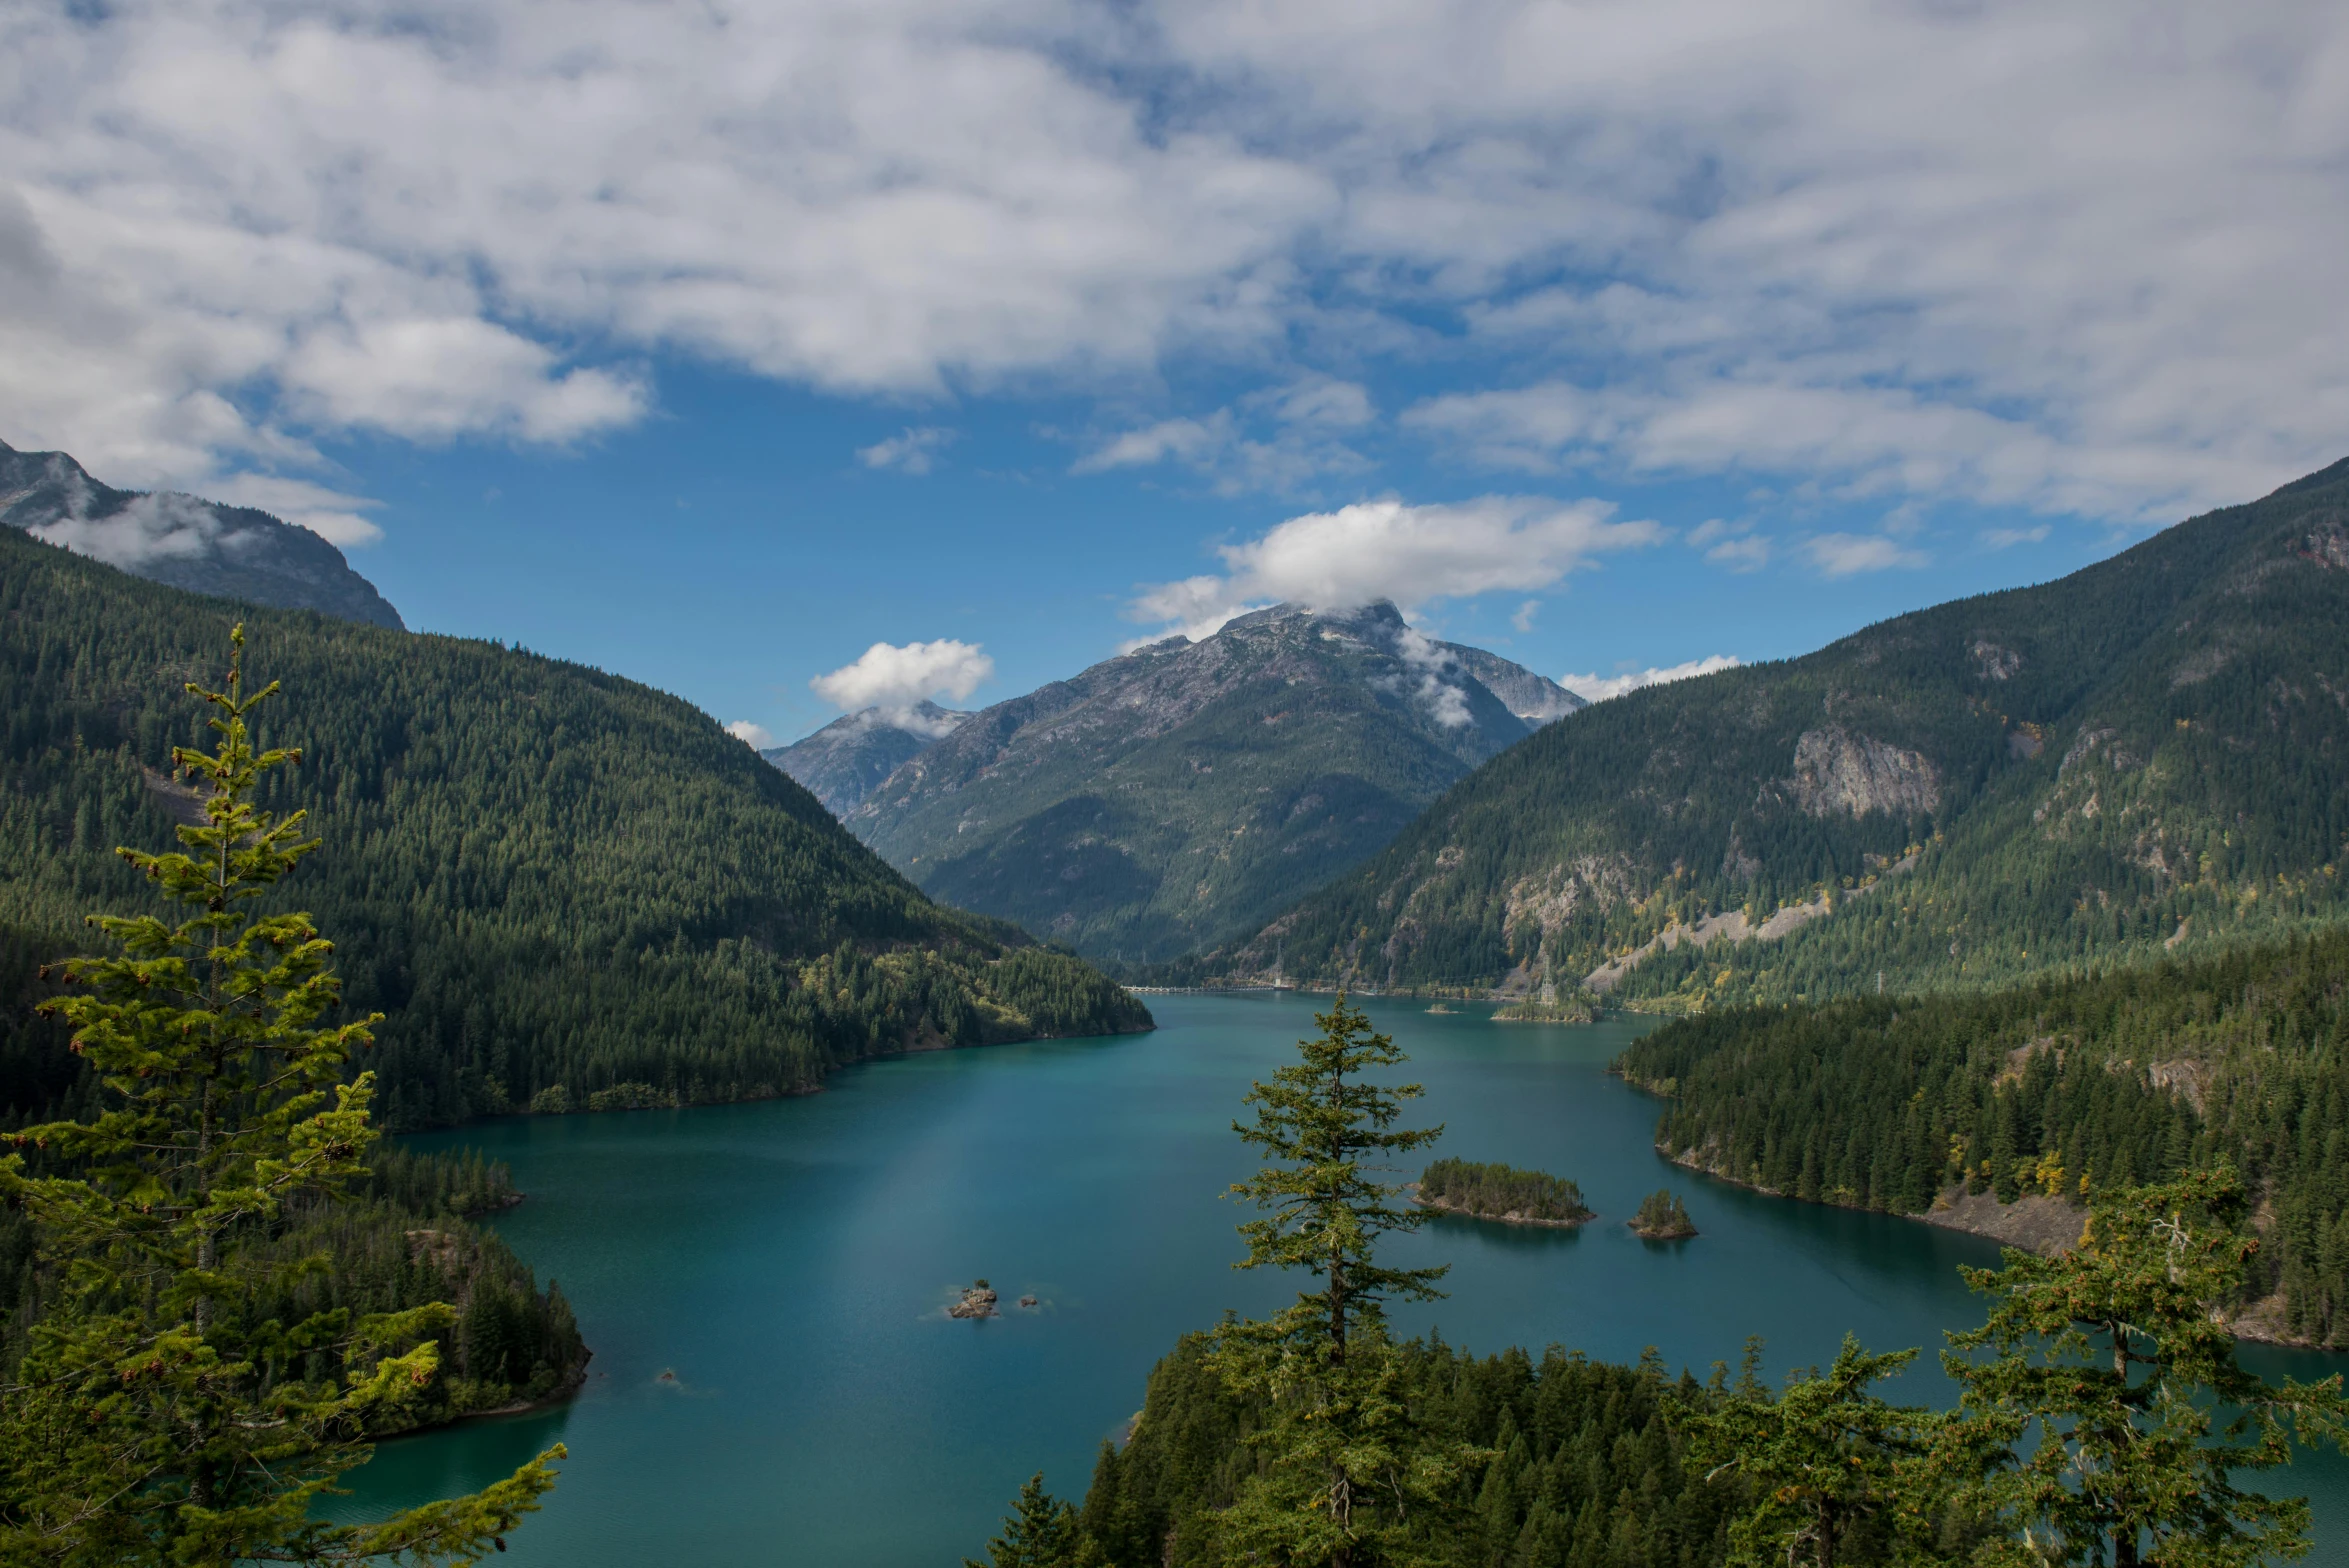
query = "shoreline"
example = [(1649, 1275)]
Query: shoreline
[(561, 1394), (2047, 1226), (1440, 1206)]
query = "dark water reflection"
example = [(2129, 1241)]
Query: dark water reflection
[(789, 1265)]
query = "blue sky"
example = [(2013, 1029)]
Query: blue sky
[(715, 346), (735, 546)]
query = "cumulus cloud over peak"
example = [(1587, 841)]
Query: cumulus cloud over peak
[(756, 736), (897, 677), (1598, 688), (1391, 549)]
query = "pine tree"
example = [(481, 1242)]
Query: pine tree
[(2115, 1360), (1345, 1462), (1831, 1465), (158, 1416), (1040, 1532)]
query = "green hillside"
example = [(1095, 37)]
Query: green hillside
[(2059, 1088), (561, 886), (2149, 755)]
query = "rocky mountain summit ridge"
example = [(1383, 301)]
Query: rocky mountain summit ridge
[(1184, 788), (848, 758), (232, 552)]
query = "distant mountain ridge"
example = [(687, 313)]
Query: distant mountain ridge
[(235, 552), (1185, 790), (847, 759), (2148, 756)]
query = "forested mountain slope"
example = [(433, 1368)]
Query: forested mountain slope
[(1171, 796), (564, 888), (2058, 1088), (2150, 754), (233, 551)]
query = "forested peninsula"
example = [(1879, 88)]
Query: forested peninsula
[(2054, 1091), (565, 890)]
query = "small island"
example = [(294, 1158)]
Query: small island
[(1566, 1010), (977, 1302), (1503, 1193), (1663, 1217)]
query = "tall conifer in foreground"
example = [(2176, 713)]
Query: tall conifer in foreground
[(1348, 1478), (2114, 1365), (157, 1418)]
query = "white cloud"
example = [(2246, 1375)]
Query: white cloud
[(329, 513), (150, 528), (1278, 441), (912, 451), (1734, 545), (1392, 550), (2007, 538), (1598, 688), (1523, 619), (756, 736), (1179, 438), (2081, 258), (1844, 555), (897, 677), (1446, 703), (1319, 401)]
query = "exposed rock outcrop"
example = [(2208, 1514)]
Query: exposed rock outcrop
[(1837, 771)]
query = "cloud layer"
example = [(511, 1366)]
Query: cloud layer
[(896, 677), (2073, 259), (1412, 555), (1598, 688)]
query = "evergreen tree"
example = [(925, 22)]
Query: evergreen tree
[(2113, 1361), (1832, 1466), (160, 1415), (1040, 1532), (1345, 1462)]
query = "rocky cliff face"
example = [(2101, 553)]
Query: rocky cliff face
[(234, 552), (1185, 789), (1835, 770), (844, 761)]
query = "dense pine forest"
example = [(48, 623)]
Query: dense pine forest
[(1496, 1191), (556, 884), (1582, 1466), (2150, 755), (2061, 1088)]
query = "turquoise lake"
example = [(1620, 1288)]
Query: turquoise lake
[(788, 1264)]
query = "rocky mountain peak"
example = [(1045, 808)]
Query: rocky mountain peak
[(1174, 791), (236, 552), (842, 762)]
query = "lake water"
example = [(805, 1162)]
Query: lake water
[(775, 1380)]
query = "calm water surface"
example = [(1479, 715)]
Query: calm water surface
[(789, 1265)]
